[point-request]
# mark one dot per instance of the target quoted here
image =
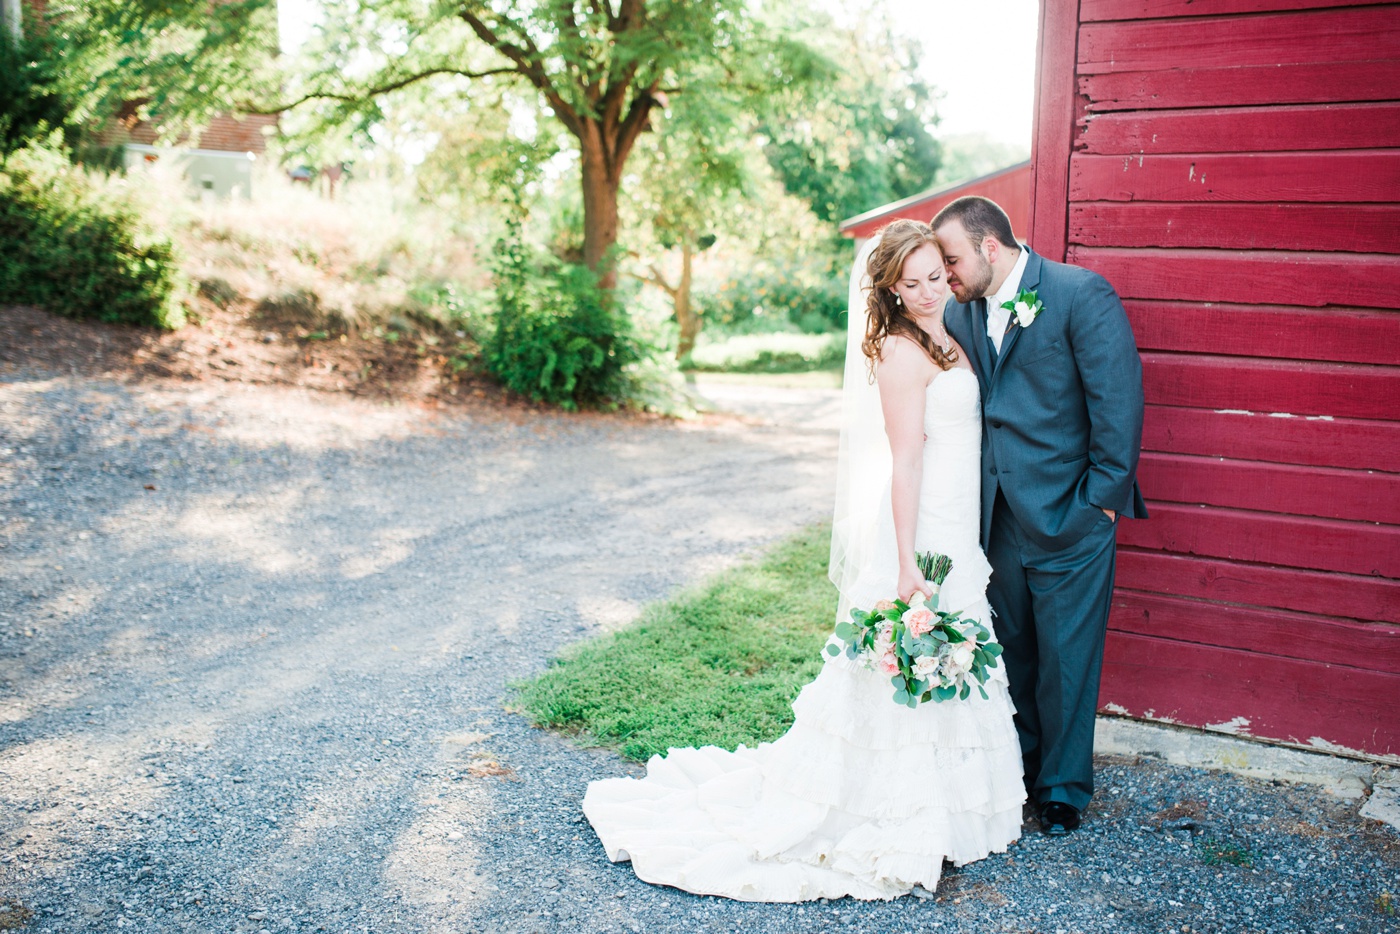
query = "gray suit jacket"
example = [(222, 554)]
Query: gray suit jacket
[(1061, 405)]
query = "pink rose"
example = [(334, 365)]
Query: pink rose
[(888, 664), (919, 621), (883, 605)]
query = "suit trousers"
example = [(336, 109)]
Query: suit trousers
[(1051, 615)]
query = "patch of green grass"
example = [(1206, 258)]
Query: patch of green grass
[(719, 665), (777, 352), (1215, 852)]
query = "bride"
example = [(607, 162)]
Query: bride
[(861, 797)]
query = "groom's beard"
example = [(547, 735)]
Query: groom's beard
[(970, 288)]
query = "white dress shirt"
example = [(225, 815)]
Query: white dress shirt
[(997, 316)]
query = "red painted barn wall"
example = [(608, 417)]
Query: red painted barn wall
[(1009, 187), (1233, 169)]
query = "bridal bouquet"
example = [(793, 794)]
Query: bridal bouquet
[(929, 654)]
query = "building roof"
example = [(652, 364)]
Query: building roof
[(1003, 186)]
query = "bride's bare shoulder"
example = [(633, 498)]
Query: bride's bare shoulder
[(898, 350)]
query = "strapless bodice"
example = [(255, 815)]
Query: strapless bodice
[(951, 496)]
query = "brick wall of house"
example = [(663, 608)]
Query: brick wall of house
[(224, 133)]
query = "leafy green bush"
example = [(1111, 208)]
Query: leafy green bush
[(559, 338), (777, 302), (31, 105), (78, 247)]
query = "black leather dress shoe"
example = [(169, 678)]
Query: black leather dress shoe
[(1058, 819)]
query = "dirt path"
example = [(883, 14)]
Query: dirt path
[(255, 645)]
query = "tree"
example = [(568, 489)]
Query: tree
[(694, 177), (174, 62), (865, 138), (601, 68), (31, 102)]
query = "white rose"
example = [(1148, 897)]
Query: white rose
[(961, 656), (926, 667), (1025, 314)]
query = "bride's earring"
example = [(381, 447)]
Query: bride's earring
[(897, 299)]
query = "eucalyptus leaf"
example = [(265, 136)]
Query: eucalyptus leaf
[(966, 690), (833, 650)]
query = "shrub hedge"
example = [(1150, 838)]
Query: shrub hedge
[(78, 247), (559, 337)]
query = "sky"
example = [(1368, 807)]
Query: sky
[(979, 53)]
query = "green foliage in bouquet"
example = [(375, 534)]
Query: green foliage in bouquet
[(75, 245), (931, 655)]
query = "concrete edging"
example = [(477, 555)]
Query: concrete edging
[(1344, 777)]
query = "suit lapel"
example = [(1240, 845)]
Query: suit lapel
[(1030, 279), (977, 340)]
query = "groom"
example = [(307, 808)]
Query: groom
[(1061, 428)]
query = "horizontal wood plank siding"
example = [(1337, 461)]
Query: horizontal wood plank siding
[(1288, 699), (1346, 335), (1366, 280), (1234, 172), (1275, 387), (1325, 492), (1267, 586), (1366, 228), (1363, 548), (1330, 640), (1332, 35), (1094, 11), (1296, 128), (1367, 176), (1312, 82), (1323, 441)]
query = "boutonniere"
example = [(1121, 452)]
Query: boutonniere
[(1025, 307)]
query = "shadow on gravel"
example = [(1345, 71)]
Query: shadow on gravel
[(268, 693), (255, 644)]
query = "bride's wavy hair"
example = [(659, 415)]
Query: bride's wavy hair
[(885, 317)]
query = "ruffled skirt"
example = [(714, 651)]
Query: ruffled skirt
[(860, 798)]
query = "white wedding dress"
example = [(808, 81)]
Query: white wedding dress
[(861, 797)]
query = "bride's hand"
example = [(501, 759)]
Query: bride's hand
[(911, 581)]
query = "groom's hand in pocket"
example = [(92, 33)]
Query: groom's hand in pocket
[(1112, 516)]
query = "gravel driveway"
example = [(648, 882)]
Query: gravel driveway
[(256, 647)]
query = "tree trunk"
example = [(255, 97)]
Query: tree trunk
[(687, 317), (599, 208)]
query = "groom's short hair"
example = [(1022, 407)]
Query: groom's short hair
[(981, 218)]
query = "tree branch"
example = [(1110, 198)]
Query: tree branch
[(655, 278), (635, 122), (527, 63), (261, 109)]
